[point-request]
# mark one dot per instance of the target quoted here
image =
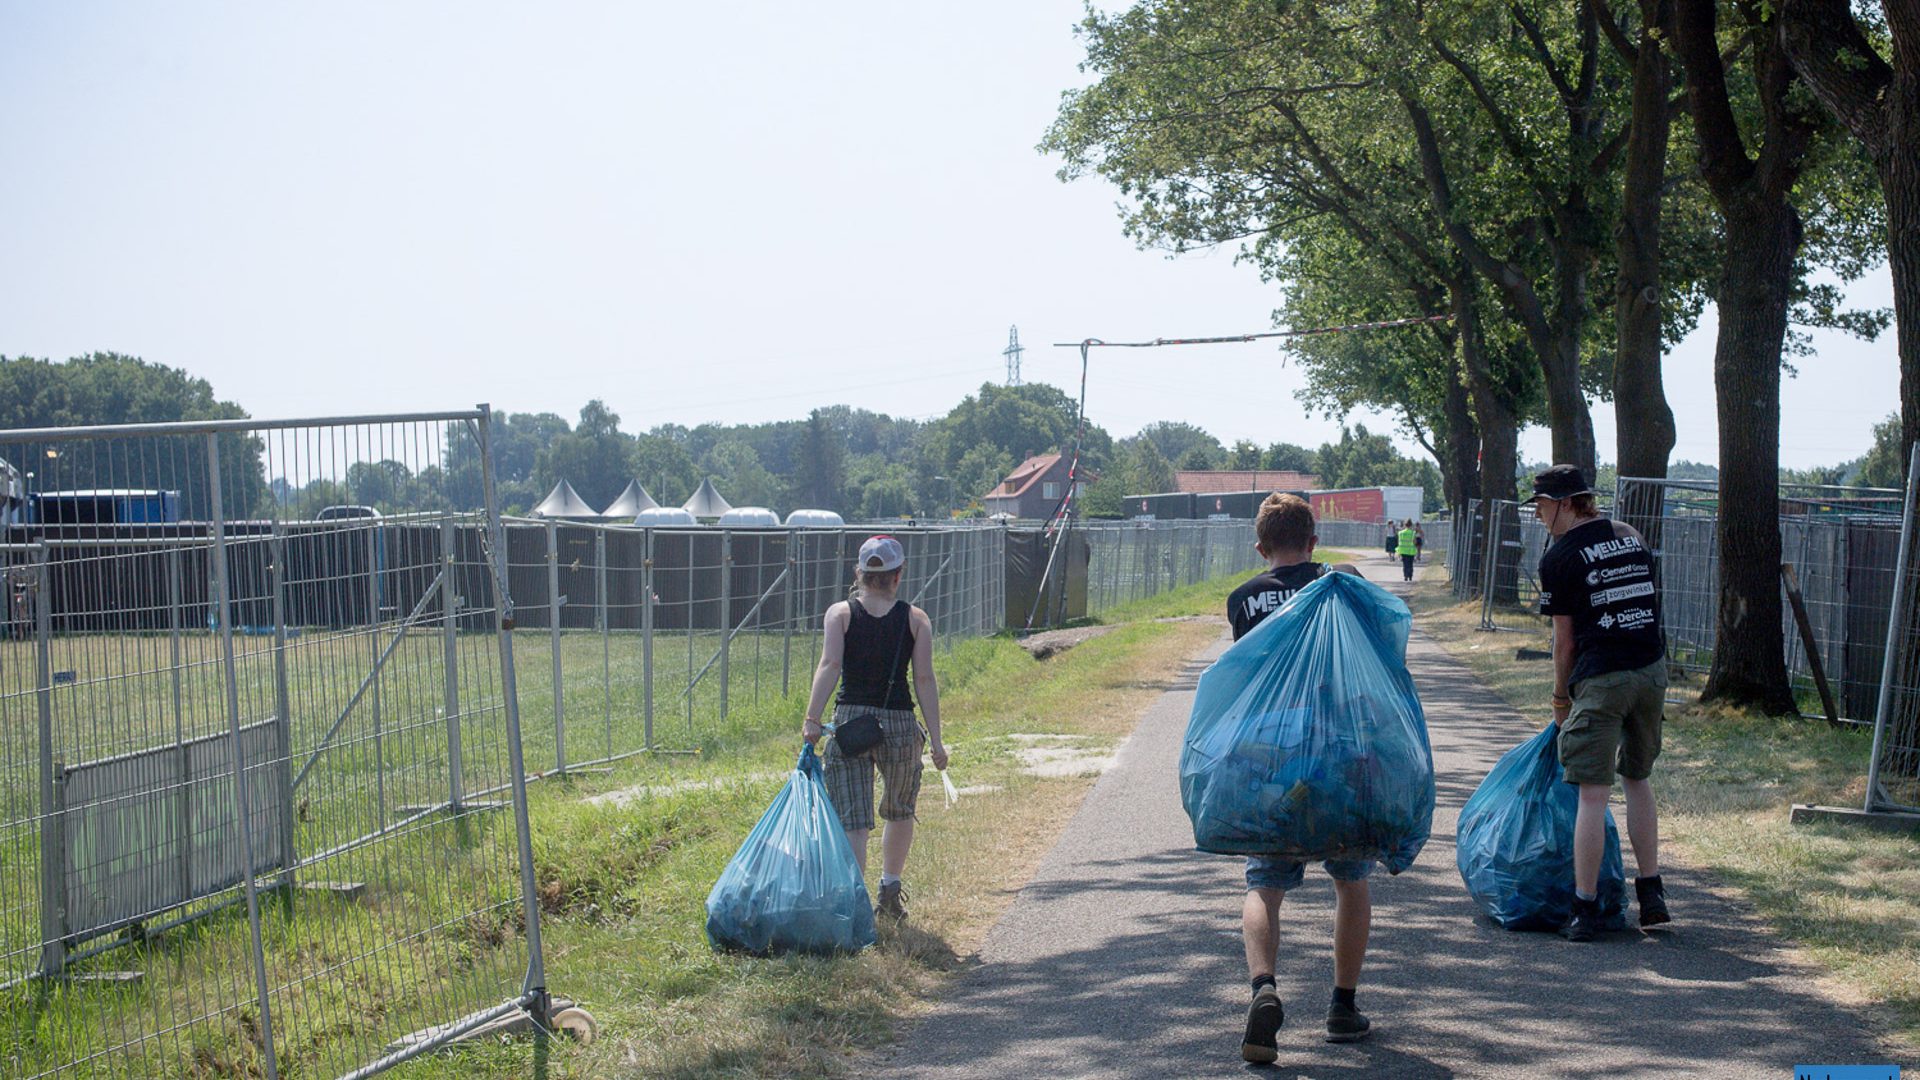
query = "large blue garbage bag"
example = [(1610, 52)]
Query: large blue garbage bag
[(1515, 843), (1307, 740), (794, 885)]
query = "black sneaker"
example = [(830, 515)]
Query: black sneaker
[(1263, 1020), (893, 901), (1586, 921), (1653, 900), (1345, 1024)]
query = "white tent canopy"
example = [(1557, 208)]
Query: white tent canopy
[(751, 517), (563, 502), (662, 516), (630, 502), (706, 502), (815, 519)]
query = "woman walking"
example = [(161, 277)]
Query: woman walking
[(1408, 547), (868, 643)]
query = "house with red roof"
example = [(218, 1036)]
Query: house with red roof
[(1034, 488)]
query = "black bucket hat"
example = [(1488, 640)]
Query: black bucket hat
[(1560, 482)]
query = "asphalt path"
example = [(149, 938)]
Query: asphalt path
[(1122, 956)]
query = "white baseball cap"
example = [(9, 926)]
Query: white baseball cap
[(881, 553)]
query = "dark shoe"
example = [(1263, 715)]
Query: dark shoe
[(1653, 900), (1586, 921), (1263, 1020), (1345, 1024), (893, 902)]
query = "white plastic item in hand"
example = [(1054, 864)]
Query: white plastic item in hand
[(953, 793)]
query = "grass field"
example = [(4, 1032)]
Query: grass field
[(1726, 782), (434, 934)]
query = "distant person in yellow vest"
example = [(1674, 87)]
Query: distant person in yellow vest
[(1409, 547)]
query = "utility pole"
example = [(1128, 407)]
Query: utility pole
[(1012, 353)]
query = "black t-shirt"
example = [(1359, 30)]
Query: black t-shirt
[(1266, 593), (1600, 574)]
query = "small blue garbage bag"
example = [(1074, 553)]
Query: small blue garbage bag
[(1515, 843), (794, 885), (1307, 740)]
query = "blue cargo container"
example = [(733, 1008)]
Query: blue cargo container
[(104, 506)]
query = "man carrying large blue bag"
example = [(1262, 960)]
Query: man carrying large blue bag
[(1307, 743)]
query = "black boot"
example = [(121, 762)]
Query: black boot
[(1653, 900), (1586, 921)]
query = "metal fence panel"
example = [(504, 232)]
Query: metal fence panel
[(1133, 560), (1510, 594), (1842, 550), (1893, 772), (244, 756)]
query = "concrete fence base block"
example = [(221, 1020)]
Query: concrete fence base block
[(1885, 820)]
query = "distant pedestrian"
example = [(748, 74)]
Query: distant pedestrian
[(1285, 531), (1609, 683), (868, 642), (1409, 549), (1419, 541)]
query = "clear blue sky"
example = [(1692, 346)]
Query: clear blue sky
[(695, 212)]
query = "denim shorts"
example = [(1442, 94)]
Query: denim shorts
[(1287, 874)]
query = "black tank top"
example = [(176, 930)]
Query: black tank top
[(872, 645)]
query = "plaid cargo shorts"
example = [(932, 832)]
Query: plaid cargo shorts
[(850, 780)]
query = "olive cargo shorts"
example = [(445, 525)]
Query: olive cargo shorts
[(1614, 725)]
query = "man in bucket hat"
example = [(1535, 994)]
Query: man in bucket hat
[(1609, 683)]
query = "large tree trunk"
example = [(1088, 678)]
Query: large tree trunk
[(1499, 428), (1900, 181), (1567, 411), (1880, 105), (1761, 240), (1462, 447), (1557, 347), (1749, 655), (1645, 422)]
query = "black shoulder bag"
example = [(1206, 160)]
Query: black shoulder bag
[(859, 734)]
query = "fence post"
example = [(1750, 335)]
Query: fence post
[(786, 625), (726, 617), (53, 901), (606, 633), (450, 661), (373, 641), (282, 705), (646, 634), (1896, 617), (534, 988), (553, 645), (1490, 566), (243, 804), (184, 815)]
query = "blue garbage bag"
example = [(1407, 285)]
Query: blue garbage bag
[(1515, 843), (1307, 740), (794, 885)]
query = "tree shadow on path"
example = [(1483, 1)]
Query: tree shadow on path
[(1123, 958)]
